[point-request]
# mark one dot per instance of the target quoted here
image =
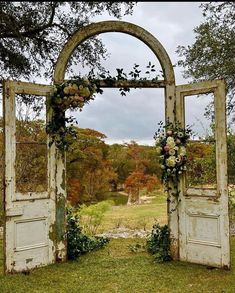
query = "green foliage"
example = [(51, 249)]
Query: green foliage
[(117, 154), (73, 95), (201, 167), (231, 161), (137, 247), (211, 55), (92, 216), (231, 203), (33, 33), (158, 243), (79, 243)]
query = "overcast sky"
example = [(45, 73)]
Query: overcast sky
[(135, 116)]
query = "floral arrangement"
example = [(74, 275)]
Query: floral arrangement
[(171, 141), (72, 94)]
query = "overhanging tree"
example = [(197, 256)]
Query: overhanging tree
[(33, 33), (211, 56)]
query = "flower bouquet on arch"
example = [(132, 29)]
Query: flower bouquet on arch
[(171, 141)]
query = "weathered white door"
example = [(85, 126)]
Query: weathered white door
[(203, 212), (29, 209)]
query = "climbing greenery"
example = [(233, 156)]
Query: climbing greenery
[(158, 243), (73, 94), (77, 242)]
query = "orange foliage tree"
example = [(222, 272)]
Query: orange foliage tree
[(138, 178), (89, 167), (201, 166), (136, 181)]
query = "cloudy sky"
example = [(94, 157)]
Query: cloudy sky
[(135, 116)]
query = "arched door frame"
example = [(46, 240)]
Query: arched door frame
[(199, 225), (170, 109)]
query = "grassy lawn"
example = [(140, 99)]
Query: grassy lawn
[(136, 216), (116, 269)]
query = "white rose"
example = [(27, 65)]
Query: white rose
[(170, 142), (171, 152), (170, 162)]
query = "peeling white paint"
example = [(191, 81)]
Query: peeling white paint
[(203, 213), (28, 216), (34, 236)]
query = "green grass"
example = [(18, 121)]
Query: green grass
[(136, 216), (115, 269)]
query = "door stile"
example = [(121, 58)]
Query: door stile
[(9, 159), (172, 210), (222, 169)]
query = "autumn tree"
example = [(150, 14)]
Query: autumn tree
[(32, 34), (136, 181), (31, 156), (211, 56), (138, 178), (201, 167), (126, 158), (122, 165), (88, 166), (134, 151)]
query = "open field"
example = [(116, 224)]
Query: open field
[(136, 216), (115, 269)]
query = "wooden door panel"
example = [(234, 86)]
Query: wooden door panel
[(29, 216), (203, 212)]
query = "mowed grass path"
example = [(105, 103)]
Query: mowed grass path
[(116, 269)]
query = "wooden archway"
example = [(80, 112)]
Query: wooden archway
[(198, 218), (170, 104), (113, 26)]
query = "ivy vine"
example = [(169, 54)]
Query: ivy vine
[(158, 243)]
